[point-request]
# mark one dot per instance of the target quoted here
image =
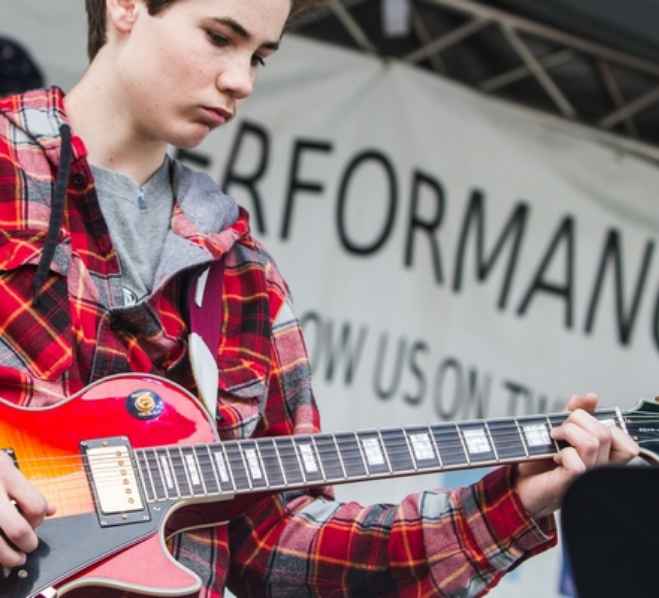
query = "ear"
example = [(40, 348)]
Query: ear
[(122, 14)]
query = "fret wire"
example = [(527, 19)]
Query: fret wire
[(447, 437), (350, 453), (172, 451), (299, 461), (330, 458), (161, 480), (360, 448), (171, 468), (410, 450), (522, 437), (392, 450), (160, 453), (154, 455), (202, 454), (489, 434), (201, 472), (272, 463), (140, 461), (317, 453), (384, 450), (290, 459), (229, 467), (464, 446), (150, 471), (219, 467), (406, 450), (185, 453), (281, 463), (551, 427), (248, 472), (338, 452), (216, 475), (185, 471), (263, 468), (434, 442), (621, 420), (141, 475)]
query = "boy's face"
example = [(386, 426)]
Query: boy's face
[(185, 71)]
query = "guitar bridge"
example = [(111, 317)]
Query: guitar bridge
[(114, 481)]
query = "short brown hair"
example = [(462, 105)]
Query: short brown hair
[(97, 25)]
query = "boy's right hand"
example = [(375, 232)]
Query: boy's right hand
[(22, 510)]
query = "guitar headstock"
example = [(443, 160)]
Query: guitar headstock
[(643, 426)]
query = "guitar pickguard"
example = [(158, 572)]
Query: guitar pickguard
[(69, 545)]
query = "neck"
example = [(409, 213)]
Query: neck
[(100, 114)]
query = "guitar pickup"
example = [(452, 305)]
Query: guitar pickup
[(114, 481)]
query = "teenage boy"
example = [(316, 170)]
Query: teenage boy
[(98, 231)]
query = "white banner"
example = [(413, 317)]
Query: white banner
[(451, 257)]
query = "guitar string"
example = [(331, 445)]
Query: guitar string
[(209, 470), (447, 449), (389, 446), (452, 448), (209, 473), (391, 451), (511, 435)]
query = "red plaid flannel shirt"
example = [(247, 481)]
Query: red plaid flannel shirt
[(292, 544)]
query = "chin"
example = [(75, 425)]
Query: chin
[(187, 136), (191, 138)]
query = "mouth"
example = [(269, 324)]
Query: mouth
[(216, 116)]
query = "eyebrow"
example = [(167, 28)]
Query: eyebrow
[(238, 29)]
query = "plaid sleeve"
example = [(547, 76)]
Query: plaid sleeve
[(299, 544)]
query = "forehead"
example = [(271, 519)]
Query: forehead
[(261, 18)]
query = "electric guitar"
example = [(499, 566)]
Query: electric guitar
[(134, 457)]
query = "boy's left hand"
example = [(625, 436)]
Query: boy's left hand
[(541, 485)]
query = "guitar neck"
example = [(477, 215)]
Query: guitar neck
[(281, 463)]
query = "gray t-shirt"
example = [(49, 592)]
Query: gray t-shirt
[(138, 219)]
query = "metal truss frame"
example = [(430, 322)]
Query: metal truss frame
[(518, 31)]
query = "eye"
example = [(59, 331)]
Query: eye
[(216, 39), (258, 61)]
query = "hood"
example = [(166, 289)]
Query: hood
[(204, 217)]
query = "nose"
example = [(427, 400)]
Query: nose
[(236, 79)]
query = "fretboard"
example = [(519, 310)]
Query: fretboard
[(265, 464)]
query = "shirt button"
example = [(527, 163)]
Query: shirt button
[(79, 181)]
